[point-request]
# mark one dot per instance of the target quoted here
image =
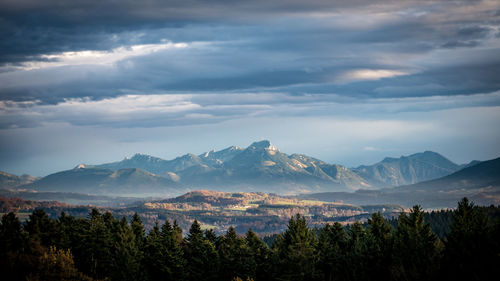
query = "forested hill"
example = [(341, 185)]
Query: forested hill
[(102, 247), (16, 204)]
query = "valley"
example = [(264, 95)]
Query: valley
[(264, 213), (257, 187)]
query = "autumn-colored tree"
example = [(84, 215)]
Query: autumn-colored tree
[(57, 264)]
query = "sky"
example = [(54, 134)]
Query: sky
[(348, 82)]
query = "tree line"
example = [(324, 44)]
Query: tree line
[(102, 247)]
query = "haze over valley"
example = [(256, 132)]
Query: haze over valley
[(426, 178)]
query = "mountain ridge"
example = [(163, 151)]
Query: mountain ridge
[(101, 181), (479, 182), (8, 180), (409, 169), (259, 167)]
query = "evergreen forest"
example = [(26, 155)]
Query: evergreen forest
[(459, 244)]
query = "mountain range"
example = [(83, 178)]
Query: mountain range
[(408, 169), (100, 181), (9, 180), (479, 182), (258, 167)]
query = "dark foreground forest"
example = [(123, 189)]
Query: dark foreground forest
[(102, 247)]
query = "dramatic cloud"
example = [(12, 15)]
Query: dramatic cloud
[(175, 110), (232, 66), (460, 134)]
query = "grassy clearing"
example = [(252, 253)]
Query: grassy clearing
[(207, 226), (312, 202)]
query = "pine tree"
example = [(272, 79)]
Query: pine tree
[(177, 233), (98, 244), (40, 227), (126, 253), (200, 255), (12, 236), (417, 248), (297, 249), (470, 251), (138, 230), (332, 246), (153, 255), (72, 232), (261, 255), (211, 236), (236, 259), (173, 259), (359, 247), (380, 248), (13, 247)]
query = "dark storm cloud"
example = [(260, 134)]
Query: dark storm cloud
[(362, 49), (29, 28), (32, 27)]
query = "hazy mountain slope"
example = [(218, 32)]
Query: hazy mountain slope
[(123, 182), (470, 164), (155, 165), (70, 198), (259, 167), (9, 180), (346, 176), (262, 167), (485, 175), (141, 161), (336, 173), (480, 182), (163, 167), (407, 169)]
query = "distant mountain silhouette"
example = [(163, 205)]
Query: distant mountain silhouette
[(259, 167), (92, 180), (481, 176), (9, 180), (480, 182), (407, 169)]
